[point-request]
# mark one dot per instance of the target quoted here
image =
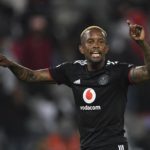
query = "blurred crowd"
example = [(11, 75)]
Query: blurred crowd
[(43, 33)]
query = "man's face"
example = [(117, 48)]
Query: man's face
[(93, 45)]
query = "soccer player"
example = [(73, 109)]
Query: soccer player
[(99, 86)]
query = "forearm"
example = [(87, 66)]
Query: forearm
[(26, 74), (146, 49), (21, 72)]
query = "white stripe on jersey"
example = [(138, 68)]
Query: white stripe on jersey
[(120, 147), (111, 62), (81, 62)]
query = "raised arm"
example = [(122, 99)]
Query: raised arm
[(140, 73), (26, 74)]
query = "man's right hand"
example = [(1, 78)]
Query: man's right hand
[(4, 61)]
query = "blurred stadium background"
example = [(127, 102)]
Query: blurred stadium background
[(44, 33)]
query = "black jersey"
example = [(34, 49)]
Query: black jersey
[(100, 98)]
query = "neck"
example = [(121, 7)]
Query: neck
[(93, 66)]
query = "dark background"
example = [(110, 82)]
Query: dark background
[(44, 33)]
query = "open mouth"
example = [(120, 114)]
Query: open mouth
[(96, 54)]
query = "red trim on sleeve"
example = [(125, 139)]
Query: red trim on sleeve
[(129, 77), (51, 74)]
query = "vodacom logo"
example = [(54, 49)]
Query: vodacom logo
[(89, 95)]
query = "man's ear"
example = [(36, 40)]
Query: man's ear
[(81, 49)]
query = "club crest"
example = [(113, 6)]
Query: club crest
[(104, 79)]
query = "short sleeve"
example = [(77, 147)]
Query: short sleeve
[(125, 69), (59, 73)]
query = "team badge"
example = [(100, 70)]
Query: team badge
[(89, 95), (104, 79)]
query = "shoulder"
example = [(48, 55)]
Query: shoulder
[(72, 64), (80, 62), (118, 64), (112, 63)]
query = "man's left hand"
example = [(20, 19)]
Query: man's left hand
[(136, 31)]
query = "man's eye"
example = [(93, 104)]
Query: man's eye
[(101, 41), (90, 41)]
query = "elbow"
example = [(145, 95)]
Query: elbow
[(22, 79)]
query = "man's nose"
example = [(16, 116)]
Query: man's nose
[(96, 45)]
